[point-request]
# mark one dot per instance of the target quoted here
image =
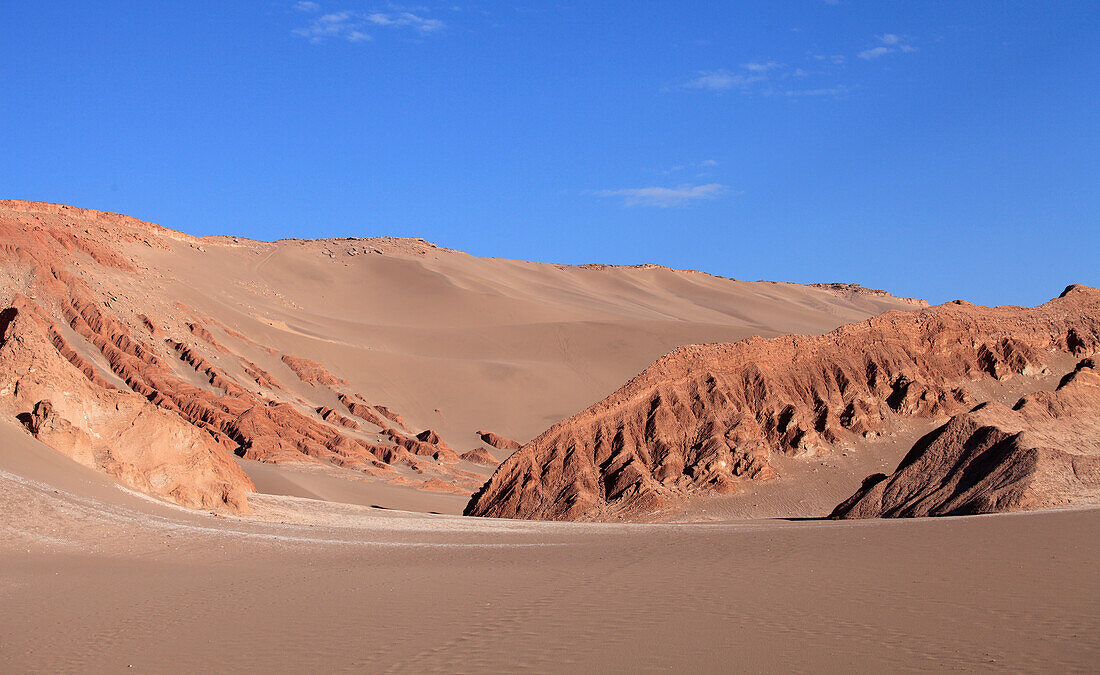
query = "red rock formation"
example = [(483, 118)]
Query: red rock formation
[(479, 455), (161, 433), (330, 415), (259, 375), (115, 431), (497, 441), (706, 417), (1043, 452), (361, 410), (311, 372), (388, 414)]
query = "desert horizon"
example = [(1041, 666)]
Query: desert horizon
[(342, 335)]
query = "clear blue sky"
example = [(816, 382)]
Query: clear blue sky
[(935, 149)]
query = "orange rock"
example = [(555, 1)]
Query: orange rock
[(705, 417), (1042, 452), (497, 441), (479, 455)]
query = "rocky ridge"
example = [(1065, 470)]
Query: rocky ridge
[(1042, 452), (706, 418)]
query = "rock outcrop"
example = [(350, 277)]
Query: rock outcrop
[(141, 388), (102, 427), (497, 441), (705, 418), (479, 455), (1042, 452)]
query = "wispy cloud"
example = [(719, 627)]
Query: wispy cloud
[(353, 26), (722, 80), (663, 196), (419, 23), (889, 43), (756, 67)]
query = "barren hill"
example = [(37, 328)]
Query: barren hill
[(387, 364), (1042, 452), (712, 419)]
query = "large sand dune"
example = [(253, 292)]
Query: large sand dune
[(377, 360)]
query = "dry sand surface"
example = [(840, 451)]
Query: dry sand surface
[(99, 578)]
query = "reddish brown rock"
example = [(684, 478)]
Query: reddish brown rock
[(311, 372), (1043, 452), (68, 260), (479, 455), (706, 417), (497, 441), (115, 431), (330, 415), (259, 375)]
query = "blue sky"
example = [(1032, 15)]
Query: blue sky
[(935, 149)]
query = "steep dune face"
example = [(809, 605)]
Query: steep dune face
[(373, 356), (706, 418), (1042, 452)]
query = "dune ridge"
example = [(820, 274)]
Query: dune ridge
[(373, 357)]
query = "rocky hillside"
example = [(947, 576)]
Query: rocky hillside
[(1042, 452), (156, 356), (705, 419)]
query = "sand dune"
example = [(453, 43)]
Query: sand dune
[(347, 351)]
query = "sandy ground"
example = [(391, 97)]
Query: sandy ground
[(98, 578)]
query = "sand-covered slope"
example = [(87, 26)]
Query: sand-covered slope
[(707, 419), (393, 361), (1042, 452)]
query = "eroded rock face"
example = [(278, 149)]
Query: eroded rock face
[(497, 441), (705, 418), (115, 431), (141, 388), (479, 456), (1042, 452)]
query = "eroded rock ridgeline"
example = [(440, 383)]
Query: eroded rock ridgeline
[(705, 418)]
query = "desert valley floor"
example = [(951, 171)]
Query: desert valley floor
[(101, 578), (256, 454)]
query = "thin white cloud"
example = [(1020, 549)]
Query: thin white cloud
[(889, 43), (353, 26), (708, 162), (756, 67), (664, 197), (415, 21), (874, 53), (721, 80)]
